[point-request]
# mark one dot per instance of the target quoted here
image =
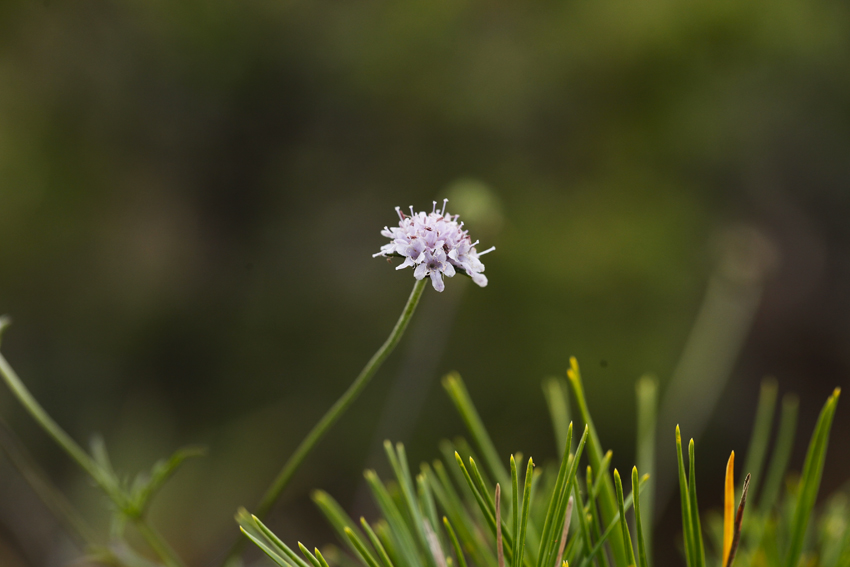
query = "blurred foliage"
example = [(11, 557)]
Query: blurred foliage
[(190, 193)]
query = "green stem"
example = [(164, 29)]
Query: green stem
[(333, 414), (46, 422), (158, 543), (80, 456), (47, 492)]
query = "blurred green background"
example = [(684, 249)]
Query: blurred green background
[(190, 193)]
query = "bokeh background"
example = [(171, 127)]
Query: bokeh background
[(190, 193)]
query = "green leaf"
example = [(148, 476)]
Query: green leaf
[(261, 543), (460, 397), (526, 507), (638, 519), (781, 454), (696, 528), (482, 487), (647, 409), (376, 543), (687, 528), (810, 480), (146, 486), (310, 557), (405, 543), (595, 525), (551, 509), (761, 435), (605, 494), (320, 557), (603, 474), (624, 525), (337, 517), (485, 509), (427, 505), (515, 508), (611, 529), (398, 461), (455, 543), (563, 500), (360, 548), (555, 392), (582, 512), (472, 539), (267, 541)]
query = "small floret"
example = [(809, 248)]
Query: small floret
[(435, 245)]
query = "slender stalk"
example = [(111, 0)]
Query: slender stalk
[(81, 457), (46, 422), (158, 543), (333, 414), (48, 493)]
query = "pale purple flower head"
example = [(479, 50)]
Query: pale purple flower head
[(435, 245)]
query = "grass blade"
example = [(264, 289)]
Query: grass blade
[(526, 507), (398, 462), (261, 543), (624, 525), (584, 526), (611, 529), (481, 485), (320, 557), (687, 530), (564, 495), (647, 411), (471, 539), (310, 557), (781, 454), (761, 433), (460, 397), (376, 543), (810, 480), (405, 544), (595, 522), (500, 555), (605, 494), (551, 510), (336, 516), (257, 531), (696, 526), (361, 549), (515, 507), (600, 476), (482, 503), (642, 552), (461, 561), (555, 392), (427, 505)]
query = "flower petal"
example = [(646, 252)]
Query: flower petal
[(437, 280), (420, 272)]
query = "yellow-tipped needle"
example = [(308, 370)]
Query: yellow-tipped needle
[(729, 508)]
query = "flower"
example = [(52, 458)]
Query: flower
[(436, 245)]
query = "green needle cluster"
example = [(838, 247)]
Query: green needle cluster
[(451, 513)]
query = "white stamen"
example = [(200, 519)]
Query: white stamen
[(487, 251), (443, 212), (434, 207)]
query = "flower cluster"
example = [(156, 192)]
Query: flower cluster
[(436, 244)]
